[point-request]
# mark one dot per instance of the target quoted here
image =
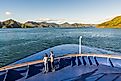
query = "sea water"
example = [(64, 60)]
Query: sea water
[(19, 43)]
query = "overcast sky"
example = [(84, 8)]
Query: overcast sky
[(80, 11)]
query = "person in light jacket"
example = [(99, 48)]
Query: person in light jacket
[(52, 61), (45, 59)]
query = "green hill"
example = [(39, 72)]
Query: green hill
[(114, 23)]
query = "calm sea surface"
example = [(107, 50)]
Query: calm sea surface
[(19, 43)]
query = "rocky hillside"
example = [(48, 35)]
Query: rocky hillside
[(10, 24), (114, 23), (66, 24), (30, 24)]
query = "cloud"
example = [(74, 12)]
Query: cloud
[(57, 20), (8, 13), (63, 20), (49, 19)]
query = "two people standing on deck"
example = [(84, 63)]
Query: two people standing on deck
[(48, 60)]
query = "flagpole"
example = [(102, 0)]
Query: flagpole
[(80, 41)]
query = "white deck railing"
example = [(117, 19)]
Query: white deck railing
[(65, 56)]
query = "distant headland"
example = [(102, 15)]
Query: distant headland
[(31, 24), (114, 23)]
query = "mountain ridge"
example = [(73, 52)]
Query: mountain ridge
[(10, 23)]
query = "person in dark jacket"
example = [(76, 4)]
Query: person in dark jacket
[(52, 61)]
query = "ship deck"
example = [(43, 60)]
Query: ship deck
[(69, 66)]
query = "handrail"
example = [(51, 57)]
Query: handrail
[(65, 56), (20, 65)]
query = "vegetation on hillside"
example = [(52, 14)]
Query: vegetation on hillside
[(114, 23)]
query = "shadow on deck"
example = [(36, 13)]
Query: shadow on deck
[(67, 68)]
